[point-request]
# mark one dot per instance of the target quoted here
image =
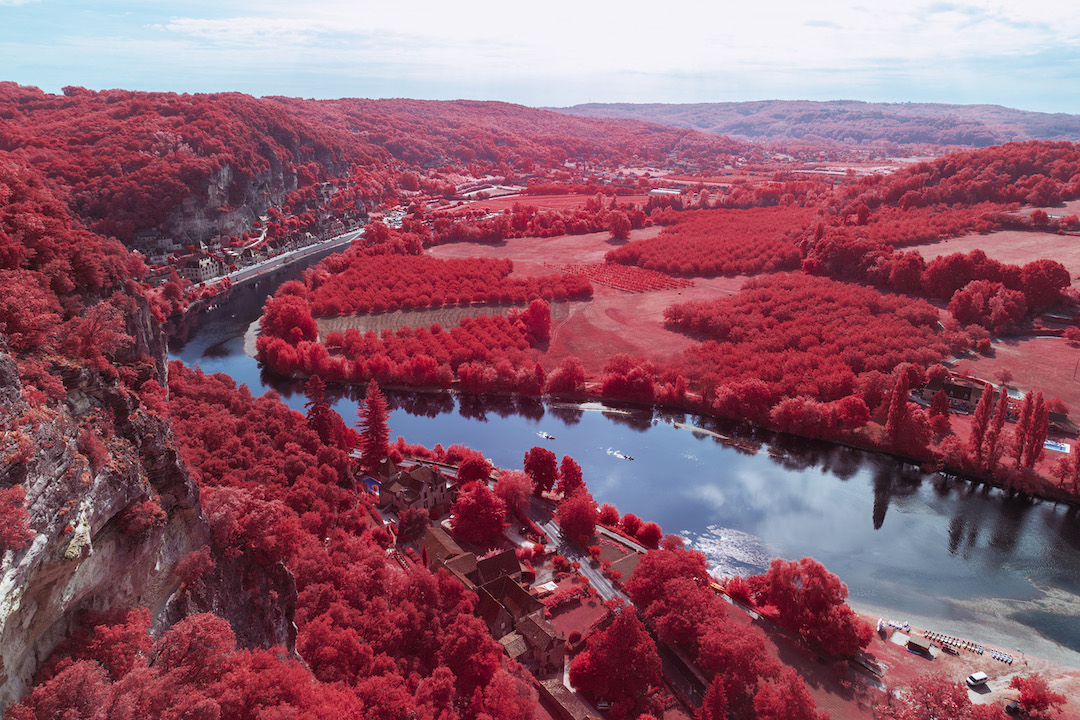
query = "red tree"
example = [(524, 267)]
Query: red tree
[(1037, 431), (542, 467), (474, 468), (980, 420), (577, 515), (14, 535), (932, 697), (992, 441), (1023, 427), (609, 515), (620, 662), (374, 432), (479, 515), (649, 535), (1035, 693), (811, 601), (514, 487), (570, 479), (898, 409)]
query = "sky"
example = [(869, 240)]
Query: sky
[(1024, 55)]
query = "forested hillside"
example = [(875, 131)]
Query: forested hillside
[(848, 122)]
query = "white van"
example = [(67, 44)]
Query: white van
[(976, 679)]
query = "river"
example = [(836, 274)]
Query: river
[(944, 554)]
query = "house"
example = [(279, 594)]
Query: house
[(918, 645), (561, 701), (420, 487), (505, 563), (514, 646), (546, 649), (1061, 424), (199, 268), (439, 546), (963, 393), (503, 604)]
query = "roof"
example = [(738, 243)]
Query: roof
[(921, 643), (514, 645), (490, 611), (537, 631), (463, 565), (570, 705), (516, 599), (505, 563), (439, 545)]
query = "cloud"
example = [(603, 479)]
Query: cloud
[(571, 51)]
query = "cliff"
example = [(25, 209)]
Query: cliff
[(109, 526)]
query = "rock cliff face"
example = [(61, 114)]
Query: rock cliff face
[(230, 205), (90, 550), (84, 554)]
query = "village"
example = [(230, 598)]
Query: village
[(542, 595)]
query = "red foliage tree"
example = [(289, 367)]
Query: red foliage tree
[(649, 535), (570, 479), (980, 420), (577, 515), (473, 468), (811, 602), (898, 407), (14, 534), (479, 515), (1037, 431), (608, 516), (620, 662), (630, 524), (514, 488), (374, 432), (542, 467), (932, 697), (568, 378), (1035, 693), (786, 698)]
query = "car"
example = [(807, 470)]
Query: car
[(976, 679)]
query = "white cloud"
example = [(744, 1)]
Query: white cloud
[(568, 38)]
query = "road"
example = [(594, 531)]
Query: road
[(572, 551), (255, 271)]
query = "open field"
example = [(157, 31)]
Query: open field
[(548, 202), (1037, 363), (1017, 247), (613, 321)]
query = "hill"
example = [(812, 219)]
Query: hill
[(849, 122)]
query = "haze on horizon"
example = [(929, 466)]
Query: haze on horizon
[(1021, 55)]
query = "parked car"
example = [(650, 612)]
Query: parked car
[(976, 679)]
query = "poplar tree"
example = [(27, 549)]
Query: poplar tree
[(374, 431)]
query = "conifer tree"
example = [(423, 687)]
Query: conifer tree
[(992, 442), (1037, 431), (374, 432), (980, 420), (1023, 426)]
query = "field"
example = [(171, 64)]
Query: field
[(613, 321), (1036, 363), (547, 202), (1016, 247)]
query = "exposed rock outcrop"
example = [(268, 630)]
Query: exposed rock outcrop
[(86, 553)]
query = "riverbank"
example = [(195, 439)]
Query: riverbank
[(903, 667)]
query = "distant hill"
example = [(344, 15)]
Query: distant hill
[(849, 122)]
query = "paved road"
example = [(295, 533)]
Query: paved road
[(253, 272), (572, 551)]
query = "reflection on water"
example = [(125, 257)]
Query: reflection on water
[(961, 557)]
